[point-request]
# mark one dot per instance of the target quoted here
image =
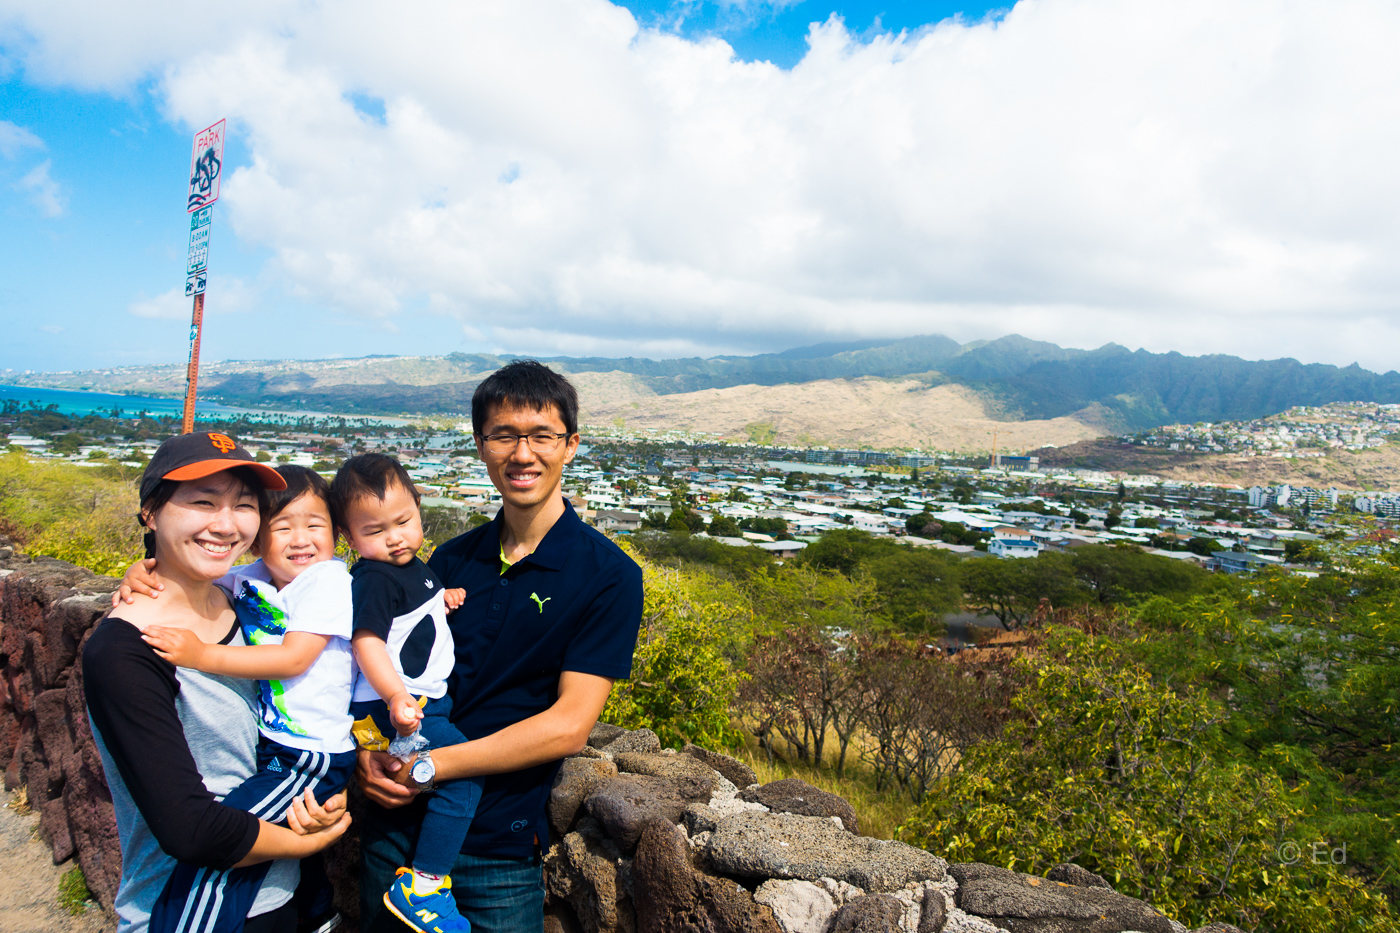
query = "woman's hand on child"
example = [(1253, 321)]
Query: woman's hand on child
[(454, 598), (179, 646), (140, 578), (306, 816)]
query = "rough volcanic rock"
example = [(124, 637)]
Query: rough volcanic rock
[(734, 770), (623, 804), (874, 913), (1217, 927), (577, 778), (582, 870), (933, 912), (602, 733), (673, 897), (1070, 873), (640, 740), (1031, 904), (794, 795), (798, 906), (786, 845), (696, 780)]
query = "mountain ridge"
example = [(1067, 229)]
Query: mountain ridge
[(1011, 379)]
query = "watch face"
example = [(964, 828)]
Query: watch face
[(422, 771)]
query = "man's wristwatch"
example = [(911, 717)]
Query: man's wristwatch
[(422, 770)]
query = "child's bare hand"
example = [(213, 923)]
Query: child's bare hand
[(404, 712), (454, 598), (179, 646), (306, 816), (140, 579)]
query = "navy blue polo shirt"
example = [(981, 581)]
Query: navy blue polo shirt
[(575, 604)]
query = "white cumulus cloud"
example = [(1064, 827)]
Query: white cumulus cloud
[(1196, 175)]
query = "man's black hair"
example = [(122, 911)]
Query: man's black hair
[(525, 384), (366, 475), (300, 480)]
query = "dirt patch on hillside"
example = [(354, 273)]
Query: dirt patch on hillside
[(880, 413)]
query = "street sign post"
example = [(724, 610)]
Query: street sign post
[(206, 169)]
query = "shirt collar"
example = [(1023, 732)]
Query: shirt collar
[(552, 552)]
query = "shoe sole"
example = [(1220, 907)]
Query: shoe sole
[(407, 922)]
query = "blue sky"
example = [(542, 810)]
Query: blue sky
[(659, 179)]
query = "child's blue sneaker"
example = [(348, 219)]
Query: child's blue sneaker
[(426, 913)]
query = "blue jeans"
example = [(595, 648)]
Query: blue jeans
[(497, 895)]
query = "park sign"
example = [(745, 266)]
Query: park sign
[(206, 167)]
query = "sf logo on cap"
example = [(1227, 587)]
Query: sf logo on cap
[(223, 442)]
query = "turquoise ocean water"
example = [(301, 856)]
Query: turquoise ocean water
[(71, 402)]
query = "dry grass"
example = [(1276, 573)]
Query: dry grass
[(879, 811)]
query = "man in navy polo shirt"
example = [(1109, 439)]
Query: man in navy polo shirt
[(550, 621)]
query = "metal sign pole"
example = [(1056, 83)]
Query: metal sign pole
[(192, 369), (206, 169)]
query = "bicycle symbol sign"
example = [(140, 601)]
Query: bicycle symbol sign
[(206, 165)]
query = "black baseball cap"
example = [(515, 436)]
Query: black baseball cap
[(194, 456)]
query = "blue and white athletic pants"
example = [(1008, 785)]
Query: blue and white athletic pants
[(209, 900)]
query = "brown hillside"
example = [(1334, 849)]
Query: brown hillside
[(882, 413)]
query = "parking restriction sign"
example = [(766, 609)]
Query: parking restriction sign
[(206, 166)]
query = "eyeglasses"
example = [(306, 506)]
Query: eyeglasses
[(541, 442)]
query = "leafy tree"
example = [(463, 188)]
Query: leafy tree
[(680, 550), (844, 550), (68, 444), (1015, 590), (1307, 666), (923, 524), (722, 526), (1203, 546), (916, 587), (794, 595), (1124, 573), (441, 523), (685, 520), (765, 526), (1303, 552)]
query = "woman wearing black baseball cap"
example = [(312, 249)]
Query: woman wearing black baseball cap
[(174, 740)]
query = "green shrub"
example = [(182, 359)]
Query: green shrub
[(1135, 781), (682, 677)]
